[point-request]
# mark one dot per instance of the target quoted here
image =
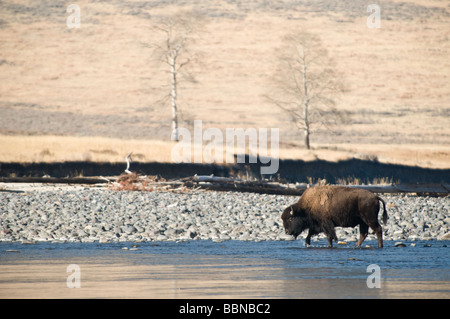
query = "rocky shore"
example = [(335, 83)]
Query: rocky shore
[(79, 214)]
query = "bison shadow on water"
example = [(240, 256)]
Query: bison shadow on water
[(322, 208)]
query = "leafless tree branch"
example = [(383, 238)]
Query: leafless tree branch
[(306, 86), (179, 34)]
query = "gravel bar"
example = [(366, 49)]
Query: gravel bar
[(89, 214)]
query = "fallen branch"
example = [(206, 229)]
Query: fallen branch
[(56, 180), (270, 187)]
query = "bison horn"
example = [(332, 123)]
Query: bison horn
[(292, 212)]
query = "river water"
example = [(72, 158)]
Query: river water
[(229, 269)]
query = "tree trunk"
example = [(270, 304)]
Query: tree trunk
[(308, 146), (173, 94), (305, 101)]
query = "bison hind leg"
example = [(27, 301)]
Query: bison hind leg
[(363, 232), (379, 232), (377, 229)]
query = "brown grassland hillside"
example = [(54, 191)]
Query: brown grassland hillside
[(96, 92)]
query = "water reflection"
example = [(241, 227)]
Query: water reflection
[(221, 270)]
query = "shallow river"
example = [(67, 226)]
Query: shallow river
[(230, 269)]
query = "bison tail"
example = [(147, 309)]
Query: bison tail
[(385, 216)]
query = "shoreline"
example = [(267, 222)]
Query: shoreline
[(67, 213)]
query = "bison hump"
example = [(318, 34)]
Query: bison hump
[(323, 198)]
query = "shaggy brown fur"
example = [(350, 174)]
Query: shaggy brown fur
[(322, 208)]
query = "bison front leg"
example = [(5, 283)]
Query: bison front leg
[(331, 234), (308, 238), (330, 238), (311, 232)]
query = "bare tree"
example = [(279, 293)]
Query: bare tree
[(175, 50), (305, 84)]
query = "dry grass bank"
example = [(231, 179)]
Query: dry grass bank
[(101, 82), (26, 149)]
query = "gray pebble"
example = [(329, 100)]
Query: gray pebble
[(161, 237), (129, 229)]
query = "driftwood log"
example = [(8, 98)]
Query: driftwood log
[(56, 180), (268, 187)]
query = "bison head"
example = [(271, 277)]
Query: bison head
[(294, 220)]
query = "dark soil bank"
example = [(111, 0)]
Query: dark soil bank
[(290, 170)]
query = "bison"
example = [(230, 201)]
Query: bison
[(322, 208)]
